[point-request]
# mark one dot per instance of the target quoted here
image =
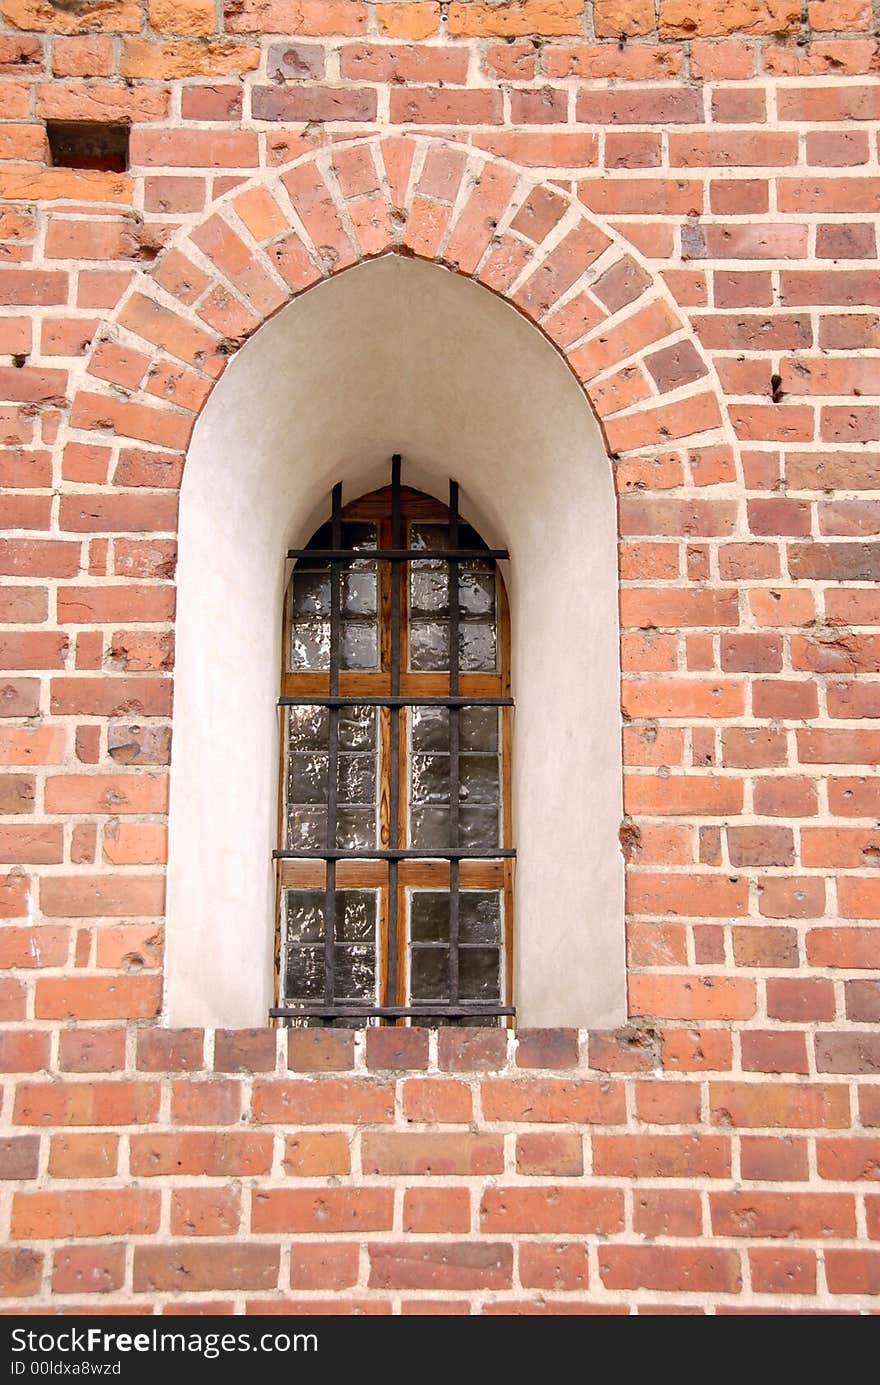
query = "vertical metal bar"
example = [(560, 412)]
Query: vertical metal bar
[(398, 574), (454, 764), (333, 753)]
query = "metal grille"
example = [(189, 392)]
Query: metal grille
[(331, 1005)]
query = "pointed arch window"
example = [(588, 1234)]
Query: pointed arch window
[(395, 856)]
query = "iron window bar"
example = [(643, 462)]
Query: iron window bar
[(397, 555), (396, 853), (316, 700), (427, 1008), (338, 557)]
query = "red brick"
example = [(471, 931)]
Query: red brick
[(193, 1267), (450, 1265), (783, 1215), (108, 1212), (322, 1102), (88, 1269), (430, 1100), (783, 1271), (331, 1265), (667, 1213), (297, 1210), (431, 1155), (554, 1153), (553, 1266), (694, 1269), (756, 1105), (428, 1210), (566, 1211)]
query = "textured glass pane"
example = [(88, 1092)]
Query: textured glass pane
[(478, 827), (307, 779), (305, 973), (429, 973), (356, 779), (476, 646), (428, 645), (357, 728), (429, 588), (429, 827), (303, 916), (307, 728), (478, 729), (306, 828), (429, 917), (479, 973), (429, 536), (429, 779), (355, 973), (311, 593), (476, 593), (359, 590), (355, 828), (356, 534), (430, 728), (356, 916), (359, 647), (479, 778), (479, 916), (310, 645)]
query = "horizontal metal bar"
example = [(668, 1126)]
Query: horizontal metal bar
[(461, 1008), (316, 701), (397, 555), (451, 853)]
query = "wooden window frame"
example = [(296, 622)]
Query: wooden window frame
[(424, 872)]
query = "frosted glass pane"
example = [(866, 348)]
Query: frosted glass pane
[(355, 973), (429, 778), (429, 588), (479, 778), (359, 645), (355, 828), (303, 916), (430, 728), (307, 779), (356, 779), (306, 828), (478, 729), (429, 917), (476, 593), (356, 916), (359, 590), (310, 645), (311, 593), (356, 728), (478, 827), (428, 645), (479, 973), (356, 534), (479, 916), (307, 728), (429, 827), (429, 974), (476, 647), (304, 977)]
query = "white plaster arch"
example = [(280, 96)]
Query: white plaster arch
[(397, 355)]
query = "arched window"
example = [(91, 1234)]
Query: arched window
[(395, 860)]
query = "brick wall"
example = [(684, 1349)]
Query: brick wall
[(683, 198)]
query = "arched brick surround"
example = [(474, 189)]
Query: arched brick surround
[(264, 243)]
